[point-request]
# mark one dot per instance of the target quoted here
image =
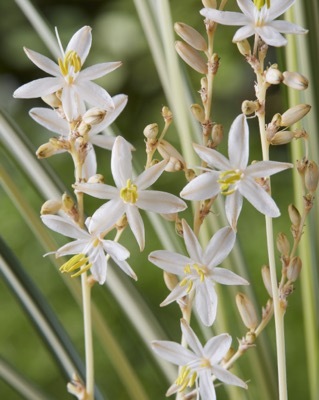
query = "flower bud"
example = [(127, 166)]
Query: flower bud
[(294, 114), (273, 75), (311, 176), (167, 114), (46, 150), (94, 116), (151, 131), (217, 134), (244, 47), (98, 178), (51, 207), (198, 112), (295, 80), (209, 3), (265, 273), (168, 151), (294, 215), (174, 165), (294, 268), (67, 202), (282, 137), (191, 57), (249, 107), (247, 311), (52, 100), (191, 36), (171, 280), (283, 244)]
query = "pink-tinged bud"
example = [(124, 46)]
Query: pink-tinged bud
[(294, 114), (282, 137), (244, 47), (265, 273), (294, 268), (51, 207), (191, 57), (294, 215), (283, 244), (247, 311), (249, 107), (151, 131), (295, 80), (198, 112), (311, 176), (273, 75), (191, 36)]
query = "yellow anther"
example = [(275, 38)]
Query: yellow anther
[(187, 269), (87, 267), (96, 242), (71, 59), (260, 3), (228, 178), (184, 282), (78, 262), (129, 193), (184, 379), (190, 286), (72, 261)]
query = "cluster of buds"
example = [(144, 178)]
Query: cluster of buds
[(294, 80), (65, 204)]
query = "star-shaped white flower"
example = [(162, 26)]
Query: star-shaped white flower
[(235, 179), (199, 363), (68, 77), (53, 121), (91, 248), (130, 194), (257, 20), (199, 271)]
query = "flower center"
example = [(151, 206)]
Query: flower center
[(80, 262), (189, 271), (227, 181), (185, 378), (129, 193), (70, 65)]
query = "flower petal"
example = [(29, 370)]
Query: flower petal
[(204, 186), (278, 7), (191, 338), (121, 162), (172, 352), (38, 88), (159, 202), (43, 62), (94, 94), (150, 175), (227, 377), (247, 7), (219, 246), (206, 386), (89, 166), (206, 302), (106, 216), (213, 158), (193, 247), (176, 294), (98, 70), (135, 221), (225, 17), (126, 268), (169, 261), (217, 347), (106, 142), (233, 206), (98, 190), (227, 277), (50, 120), (271, 36), (243, 33), (64, 226), (81, 43), (115, 250), (263, 169), (99, 267), (79, 246), (287, 27), (238, 143)]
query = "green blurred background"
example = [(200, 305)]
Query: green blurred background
[(118, 35)]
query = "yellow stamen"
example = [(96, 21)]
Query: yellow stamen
[(184, 378), (71, 59), (260, 3), (78, 262), (129, 193), (228, 178)]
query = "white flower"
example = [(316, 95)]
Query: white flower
[(199, 271), (53, 121), (235, 179), (130, 194), (199, 363), (68, 76), (90, 248), (256, 19)]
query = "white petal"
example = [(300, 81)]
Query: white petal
[(206, 386), (150, 175), (106, 216), (219, 246), (247, 7), (278, 7), (70, 102), (43, 62), (177, 293), (94, 94), (259, 198), (115, 250), (38, 88), (89, 166), (126, 268), (213, 158), (106, 142), (227, 377), (206, 302), (169, 261), (233, 206), (99, 267), (243, 33), (238, 143), (227, 277), (79, 246), (263, 169), (98, 190), (193, 247), (121, 162), (225, 17), (159, 202), (98, 70), (135, 221), (172, 352), (202, 187), (217, 347), (64, 226), (191, 338), (287, 27), (271, 36), (81, 42), (50, 120)]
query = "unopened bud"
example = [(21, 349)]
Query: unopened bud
[(301, 133), (247, 311), (94, 116), (311, 176), (217, 134), (167, 114), (282, 137), (294, 268), (47, 149), (167, 151), (191, 57), (151, 131), (52, 100), (83, 129), (249, 107), (191, 36), (209, 3), (190, 174), (294, 215), (51, 207), (273, 75), (295, 80), (174, 165), (265, 273), (198, 112), (283, 244), (77, 388), (244, 47), (294, 114), (98, 178), (67, 202), (171, 280)]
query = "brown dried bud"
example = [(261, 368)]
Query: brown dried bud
[(247, 311), (295, 80), (151, 131), (191, 36), (294, 215), (191, 57), (198, 112), (294, 268), (311, 176), (265, 273), (282, 137), (283, 244), (249, 107), (273, 75), (51, 207), (94, 116), (294, 114), (244, 47)]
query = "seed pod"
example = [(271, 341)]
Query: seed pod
[(191, 36), (151, 131), (51, 207), (311, 176), (294, 268), (265, 273), (295, 80), (294, 114), (247, 311), (191, 57)]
